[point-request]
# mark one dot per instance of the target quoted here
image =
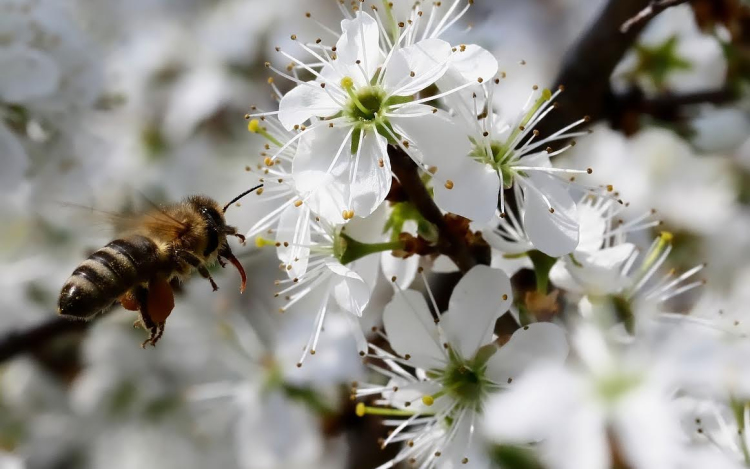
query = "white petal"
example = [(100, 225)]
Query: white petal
[(303, 102), (593, 225), (428, 60), (371, 181), (440, 141), (329, 193), (411, 330), (405, 270), (473, 194), (409, 395), (27, 74), (555, 234), (294, 230), (507, 246), (318, 186), (528, 346), (598, 273), (480, 297), (648, 430), (531, 409), (349, 290), (472, 62), (560, 277), (369, 229), (359, 41)]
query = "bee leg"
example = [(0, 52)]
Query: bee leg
[(194, 261), (159, 333), (204, 273), (141, 294), (160, 305), (232, 231)]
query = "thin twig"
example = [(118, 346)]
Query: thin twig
[(653, 9), (588, 66), (30, 340), (451, 243)]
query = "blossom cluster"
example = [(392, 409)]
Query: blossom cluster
[(434, 271), (389, 97)]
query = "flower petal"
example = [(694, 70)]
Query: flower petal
[(411, 330), (426, 60), (480, 297), (324, 172), (373, 178), (529, 409), (555, 234), (349, 290), (439, 140), (303, 102), (358, 42), (528, 346), (405, 270), (593, 225), (472, 62), (473, 193), (293, 233), (598, 273)]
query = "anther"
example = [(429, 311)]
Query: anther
[(449, 184)]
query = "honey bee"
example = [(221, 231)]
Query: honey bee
[(154, 248)]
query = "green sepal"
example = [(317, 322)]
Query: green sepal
[(542, 266), (515, 457)]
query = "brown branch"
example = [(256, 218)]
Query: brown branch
[(451, 243), (653, 9), (589, 64), (625, 109), (37, 337)]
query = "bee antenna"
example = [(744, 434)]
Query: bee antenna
[(241, 196)]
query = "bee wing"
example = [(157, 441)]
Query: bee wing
[(154, 219), (157, 220), (113, 221)]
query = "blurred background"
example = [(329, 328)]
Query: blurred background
[(103, 102)]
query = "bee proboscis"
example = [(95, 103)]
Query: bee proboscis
[(154, 248)]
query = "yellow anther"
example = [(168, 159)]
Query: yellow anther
[(253, 126), (297, 203), (428, 400), (449, 184), (360, 409), (347, 83)]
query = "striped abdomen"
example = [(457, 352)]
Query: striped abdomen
[(107, 274)]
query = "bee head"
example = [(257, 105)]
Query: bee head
[(215, 223)]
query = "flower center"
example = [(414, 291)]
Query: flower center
[(498, 155), (364, 103), (465, 384)]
